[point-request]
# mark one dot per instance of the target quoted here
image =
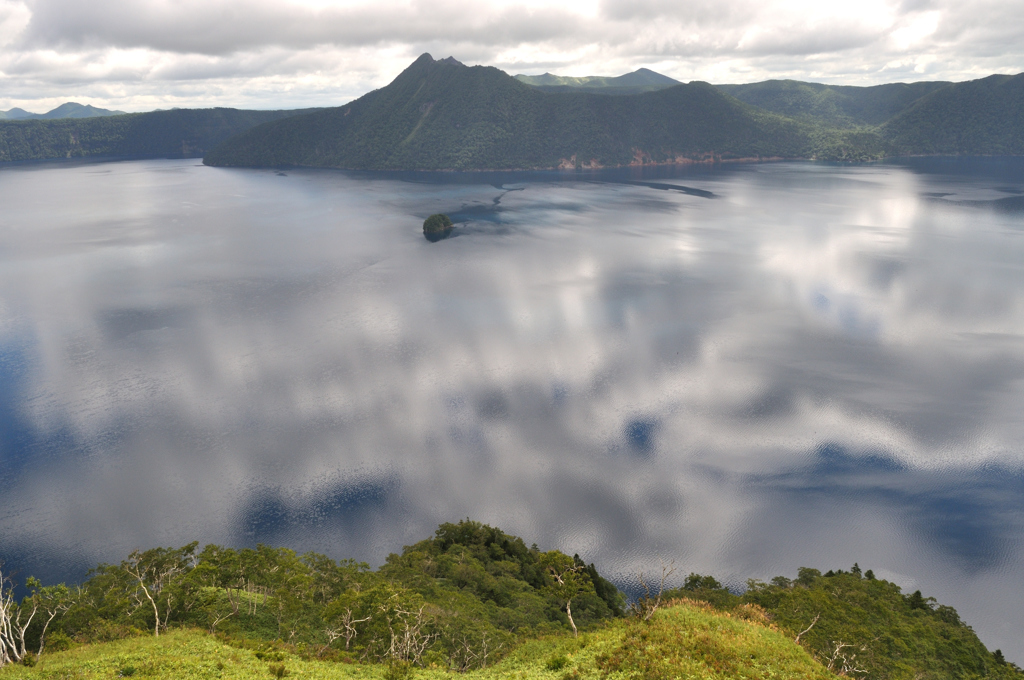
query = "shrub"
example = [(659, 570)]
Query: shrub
[(58, 641), (398, 670)]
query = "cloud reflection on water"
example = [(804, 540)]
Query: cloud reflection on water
[(821, 366)]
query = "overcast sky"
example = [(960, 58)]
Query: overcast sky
[(148, 54)]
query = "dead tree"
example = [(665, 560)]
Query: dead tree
[(409, 639), (348, 628), (806, 630), (14, 621), (843, 662), (645, 606)]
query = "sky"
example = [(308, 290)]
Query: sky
[(148, 54)]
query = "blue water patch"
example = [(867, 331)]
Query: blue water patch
[(17, 436), (640, 435), (270, 515), (972, 518)]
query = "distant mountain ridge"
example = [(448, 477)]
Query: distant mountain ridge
[(641, 80), (67, 110), (178, 133), (443, 115)]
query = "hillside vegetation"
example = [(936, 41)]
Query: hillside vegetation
[(980, 117), (867, 626), (833, 105), (683, 640), (180, 133), (470, 599)]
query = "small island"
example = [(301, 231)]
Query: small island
[(437, 227)]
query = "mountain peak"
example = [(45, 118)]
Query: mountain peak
[(66, 110)]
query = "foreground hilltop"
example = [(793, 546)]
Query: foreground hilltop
[(471, 598), (684, 639)]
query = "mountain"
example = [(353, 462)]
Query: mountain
[(16, 114), (445, 115), (68, 110), (176, 133), (978, 117), (73, 110), (641, 80), (834, 105)]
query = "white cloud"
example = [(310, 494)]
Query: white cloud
[(147, 53)]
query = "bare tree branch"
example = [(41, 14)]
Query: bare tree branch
[(807, 629)]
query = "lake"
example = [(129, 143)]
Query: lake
[(743, 368)]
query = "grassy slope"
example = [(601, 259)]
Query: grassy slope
[(443, 115), (892, 635), (687, 640), (892, 640)]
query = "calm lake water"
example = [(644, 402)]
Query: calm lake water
[(744, 369)]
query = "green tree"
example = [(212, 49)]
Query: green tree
[(568, 579), (154, 575), (53, 601)]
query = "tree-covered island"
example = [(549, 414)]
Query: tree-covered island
[(437, 227)]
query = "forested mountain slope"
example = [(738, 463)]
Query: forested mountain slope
[(834, 105), (176, 133), (979, 117), (444, 115)]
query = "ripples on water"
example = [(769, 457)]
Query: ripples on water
[(746, 369)]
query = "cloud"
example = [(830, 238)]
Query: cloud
[(221, 27), (137, 55)]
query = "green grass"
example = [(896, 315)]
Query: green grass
[(688, 640)]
